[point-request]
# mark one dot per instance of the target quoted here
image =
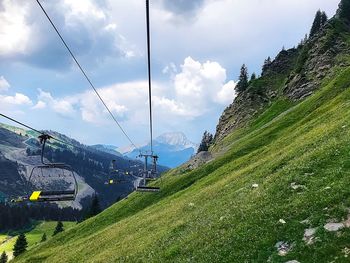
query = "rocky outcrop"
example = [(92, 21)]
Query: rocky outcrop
[(244, 107), (319, 55), (198, 160), (295, 73), (282, 64)]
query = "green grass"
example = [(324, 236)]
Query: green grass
[(212, 214), (33, 236)]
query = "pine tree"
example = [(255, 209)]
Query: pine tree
[(253, 77), (316, 25), (20, 245), (324, 18), (267, 63), (344, 9), (3, 258), (43, 238), (243, 83), (319, 21), (59, 228), (207, 140)]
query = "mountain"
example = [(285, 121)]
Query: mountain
[(20, 151), (177, 139), (111, 149), (172, 148), (274, 186)]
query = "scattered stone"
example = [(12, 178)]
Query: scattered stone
[(282, 221), (347, 222), (346, 252), (191, 204), (222, 218), (333, 227), (255, 185), (293, 261), (309, 236), (283, 248), (344, 126), (327, 188), (305, 222), (309, 174), (296, 186)]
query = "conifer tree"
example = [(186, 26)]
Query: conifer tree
[(344, 9), (3, 258), (243, 83), (324, 18), (267, 63), (316, 25), (319, 21), (20, 245), (43, 238), (253, 77), (207, 140), (59, 228)]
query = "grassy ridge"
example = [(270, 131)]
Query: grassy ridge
[(213, 214)]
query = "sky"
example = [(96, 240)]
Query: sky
[(198, 47)]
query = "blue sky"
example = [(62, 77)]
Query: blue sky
[(198, 47)]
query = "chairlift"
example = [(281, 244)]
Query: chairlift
[(115, 176), (148, 175), (51, 182)]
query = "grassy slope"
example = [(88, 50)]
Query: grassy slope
[(212, 214), (33, 236)]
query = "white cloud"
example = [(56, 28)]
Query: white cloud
[(84, 9), (14, 31), (4, 85), (86, 26), (227, 92), (199, 85), (40, 105), (62, 106), (19, 99), (124, 100), (197, 89)]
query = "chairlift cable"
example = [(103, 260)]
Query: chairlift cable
[(149, 74), (43, 133), (85, 75)]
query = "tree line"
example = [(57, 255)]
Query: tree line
[(19, 216)]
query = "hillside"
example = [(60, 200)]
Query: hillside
[(277, 188), (20, 150)]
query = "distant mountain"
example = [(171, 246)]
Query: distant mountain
[(172, 148), (111, 149)]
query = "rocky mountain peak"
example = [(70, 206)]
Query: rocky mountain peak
[(175, 139)]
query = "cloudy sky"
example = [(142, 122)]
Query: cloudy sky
[(198, 47)]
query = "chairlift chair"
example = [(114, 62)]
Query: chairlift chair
[(147, 175), (114, 176), (51, 182)]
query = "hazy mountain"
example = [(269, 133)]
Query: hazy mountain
[(172, 148), (111, 149)]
